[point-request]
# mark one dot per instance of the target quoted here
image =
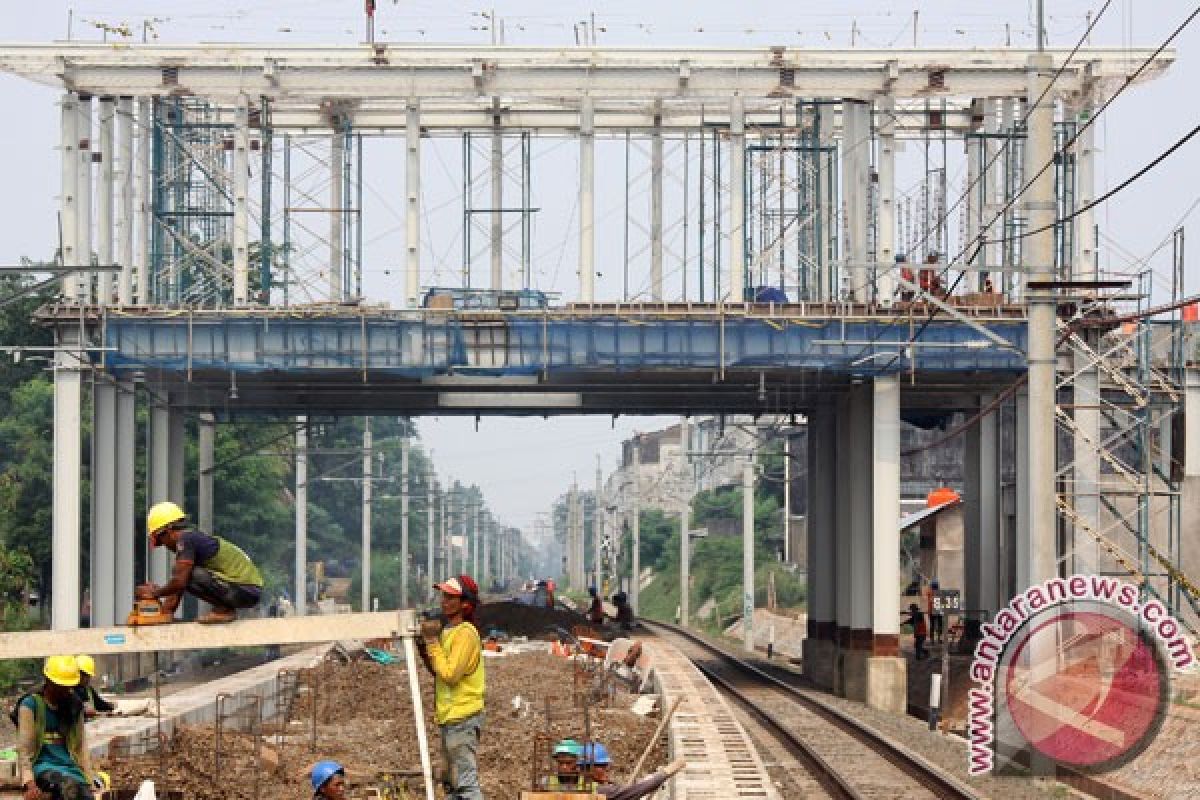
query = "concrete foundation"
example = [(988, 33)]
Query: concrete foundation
[(820, 662), (887, 683), (853, 668)]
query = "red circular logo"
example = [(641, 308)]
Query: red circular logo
[(1086, 688)]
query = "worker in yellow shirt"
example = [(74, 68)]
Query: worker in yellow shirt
[(454, 654)]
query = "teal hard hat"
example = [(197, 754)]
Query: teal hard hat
[(568, 747)]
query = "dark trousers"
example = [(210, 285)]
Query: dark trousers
[(219, 592), (937, 626), (61, 786), (919, 646)]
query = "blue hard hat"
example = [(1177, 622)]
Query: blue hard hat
[(322, 771), (595, 753)]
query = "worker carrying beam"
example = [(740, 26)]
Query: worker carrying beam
[(93, 703), (454, 654), (54, 756), (209, 567), (596, 763)]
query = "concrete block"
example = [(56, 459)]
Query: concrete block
[(820, 662), (853, 684), (887, 683)]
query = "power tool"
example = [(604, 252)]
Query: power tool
[(148, 612)]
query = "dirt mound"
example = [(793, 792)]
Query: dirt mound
[(517, 619)]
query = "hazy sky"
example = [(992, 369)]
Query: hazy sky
[(523, 464)]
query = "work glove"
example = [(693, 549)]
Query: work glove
[(32, 792), (145, 591), (430, 628), (674, 767)]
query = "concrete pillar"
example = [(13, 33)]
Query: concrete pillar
[(68, 199), (105, 185), (1023, 544), (598, 530), (368, 474), (860, 585), (124, 180), (176, 490), (1191, 419), (412, 206), (157, 468), (886, 684), (993, 188), (241, 207), (844, 502), (206, 443), (430, 544), (487, 541), (819, 646), (587, 201), (337, 157), (974, 280), (1039, 265), (497, 239), (856, 166), (1084, 260), (885, 255), (748, 554), (124, 516), (737, 199), (685, 507), (656, 206), (636, 520), (83, 193), (67, 478), (404, 490), (142, 194), (981, 501), (1085, 401), (300, 566), (475, 542), (104, 496)]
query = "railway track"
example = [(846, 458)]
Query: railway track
[(847, 758)]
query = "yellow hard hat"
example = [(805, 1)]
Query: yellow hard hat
[(86, 664), (105, 779), (161, 515), (61, 670)]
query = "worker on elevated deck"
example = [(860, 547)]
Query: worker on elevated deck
[(596, 763), (454, 654), (93, 703), (209, 567), (54, 756)]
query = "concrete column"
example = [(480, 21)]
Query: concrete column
[(1084, 261), (587, 196), (685, 507), (104, 200), (1191, 419), (886, 687), (241, 207), (656, 206), (993, 188), (430, 543), (856, 166), (821, 571), (1023, 540), (124, 179), (885, 255), (104, 496), (497, 240), (475, 542), (1085, 399), (142, 202), (636, 520), (178, 453), (844, 498), (748, 554), (737, 199), (404, 490), (1039, 254), (598, 530), (124, 516), (337, 157), (300, 566), (981, 550), (856, 589), (487, 540), (412, 206), (157, 468), (368, 474), (67, 478), (974, 280), (69, 200), (206, 442), (83, 193)]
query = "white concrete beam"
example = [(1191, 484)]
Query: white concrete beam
[(587, 198), (737, 200), (241, 207), (412, 206)]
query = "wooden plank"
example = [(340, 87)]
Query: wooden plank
[(194, 636)]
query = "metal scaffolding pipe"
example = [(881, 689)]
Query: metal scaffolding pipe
[(300, 567), (1040, 212), (636, 520), (885, 248), (404, 490), (367, 476), (412, 207), (104, 200), (429, 529), (685, 507), (497, 213), (67, 478), (748, 554), (124, 179), (69, 200), (587, 194), (126, 461), (737, 199), (241, 206), (598, 529), (157, 466), (104, 491), (656, 206)]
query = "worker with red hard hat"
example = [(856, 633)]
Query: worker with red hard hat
[(209, 567), (453, 652)]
